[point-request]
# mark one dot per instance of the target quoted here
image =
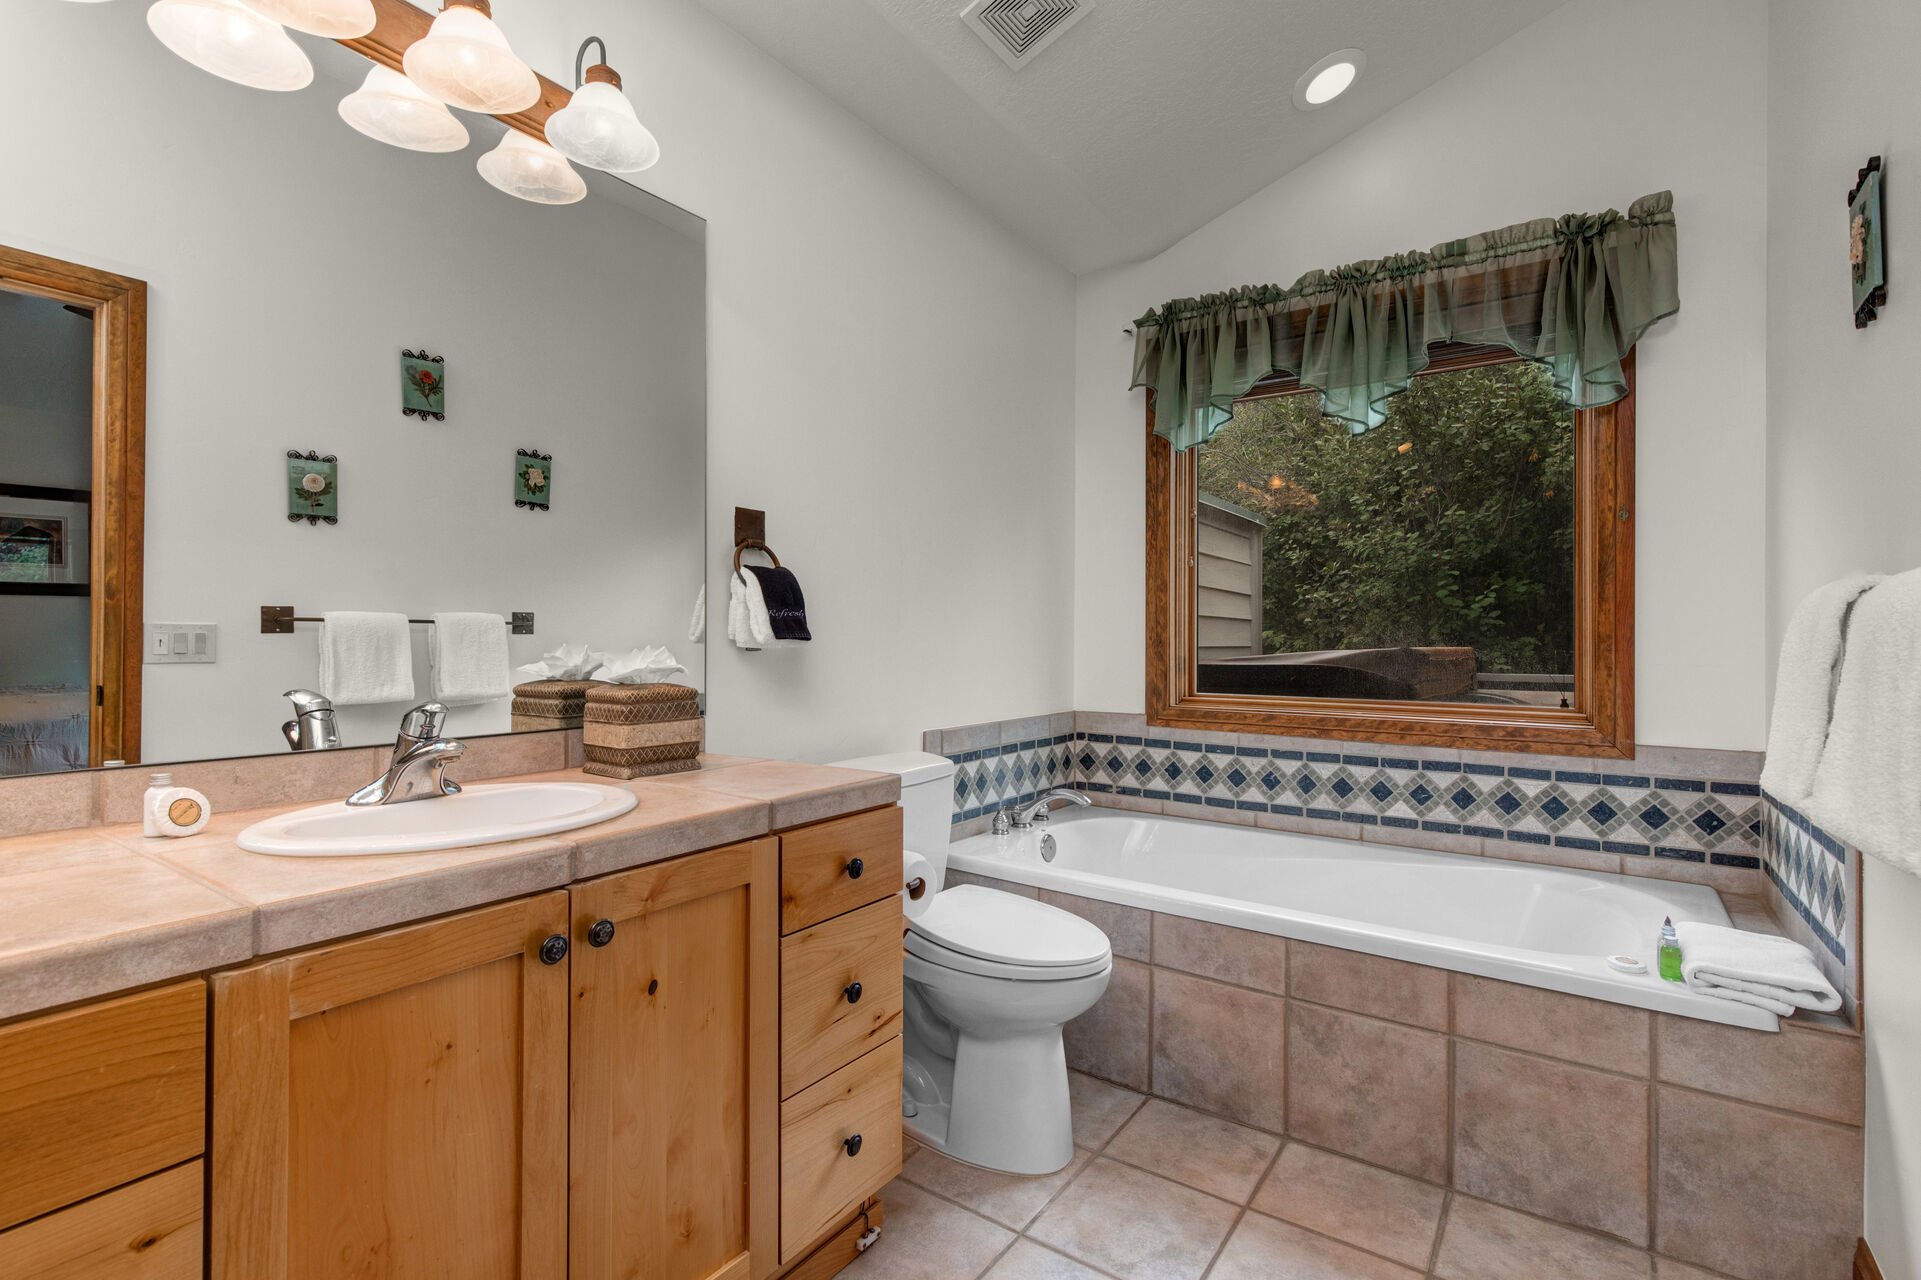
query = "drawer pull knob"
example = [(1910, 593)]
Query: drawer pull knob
[(852, 1145), (852, 992), (601, 934), (856, 869), (554, 949)]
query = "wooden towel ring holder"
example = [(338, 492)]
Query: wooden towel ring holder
[(754, 544)]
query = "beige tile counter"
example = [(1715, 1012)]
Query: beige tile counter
[(94, 910)]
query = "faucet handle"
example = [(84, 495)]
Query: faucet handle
[(306, 701), (424, 721)]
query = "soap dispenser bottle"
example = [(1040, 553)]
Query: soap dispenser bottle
[(1670, 951), (158, 784)]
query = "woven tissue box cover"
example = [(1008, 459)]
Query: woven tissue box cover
[(640, 730), (550, 704)]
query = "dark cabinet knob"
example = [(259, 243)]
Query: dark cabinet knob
[(856, 869), (601, 934), (852, 1145), (852, 992), (554, 949)]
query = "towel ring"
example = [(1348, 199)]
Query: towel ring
[(754, 544)]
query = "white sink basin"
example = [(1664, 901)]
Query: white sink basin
[(478, 815)]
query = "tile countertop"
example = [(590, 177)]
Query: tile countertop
[(95, 910)]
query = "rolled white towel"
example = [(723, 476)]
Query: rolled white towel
[(1772, 973)]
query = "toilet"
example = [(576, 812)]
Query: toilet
[(991, 979)]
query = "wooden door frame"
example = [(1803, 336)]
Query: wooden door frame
[(118, 504), (1601, 722)]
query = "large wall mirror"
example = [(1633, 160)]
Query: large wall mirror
[(198, 280)]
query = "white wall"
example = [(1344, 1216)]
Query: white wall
[(1844, 451), (1528, 130), (889, 378)]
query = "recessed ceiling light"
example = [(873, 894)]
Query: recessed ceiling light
[(1329, 78)]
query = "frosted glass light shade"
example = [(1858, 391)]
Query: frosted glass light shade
[(464, 61), (334, 19), (599, 128), (530, 169), (227, 39), (390, 108)]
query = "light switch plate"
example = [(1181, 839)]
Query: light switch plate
[(176, 642)]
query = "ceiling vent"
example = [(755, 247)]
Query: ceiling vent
[(1019, 29)]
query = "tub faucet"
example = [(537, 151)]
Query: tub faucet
[(1019, 819), (420, 759)]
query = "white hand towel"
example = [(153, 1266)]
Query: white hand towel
[(468, 655), (1772, 973), (697, 625), (366, 658), (1867, 788), (739, 630), (1804, 687)]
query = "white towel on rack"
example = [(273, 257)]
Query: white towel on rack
[(1867, 789), (366, 658), (467, 653), (1804, 687), (1769, 972)]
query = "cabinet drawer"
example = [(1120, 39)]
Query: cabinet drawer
[(100, 1095), (830, 868), (820, 1181), (825, 1022), (148, 1231)]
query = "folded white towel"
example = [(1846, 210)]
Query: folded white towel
[(1769, 972), (467, 653), (366, 658), (1804, 687), (1867, 788)]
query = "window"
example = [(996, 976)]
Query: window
[(1459, 576)]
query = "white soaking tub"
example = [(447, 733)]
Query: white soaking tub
[(1538, 925)]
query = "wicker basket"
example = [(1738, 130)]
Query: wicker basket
[(641, 730), (550, 704)]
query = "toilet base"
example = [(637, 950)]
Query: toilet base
[(1002, 1103)]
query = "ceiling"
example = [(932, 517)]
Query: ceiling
[(1143, 121)]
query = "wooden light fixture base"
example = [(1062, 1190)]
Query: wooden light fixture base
[(397, 24)]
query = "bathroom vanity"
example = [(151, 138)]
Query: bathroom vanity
[(679, 1057)]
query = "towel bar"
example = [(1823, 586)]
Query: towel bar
[(278, 620)]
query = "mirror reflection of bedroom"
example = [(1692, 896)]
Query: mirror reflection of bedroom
[(46, 469)]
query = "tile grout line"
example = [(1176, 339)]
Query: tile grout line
[(1440, 1231), (1234, 1227)]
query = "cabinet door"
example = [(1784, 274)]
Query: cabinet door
[(676, 1040), (396, 1106)]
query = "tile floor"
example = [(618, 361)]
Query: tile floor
[(1160, 1192)]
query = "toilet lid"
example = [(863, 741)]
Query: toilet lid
[(1008, 929)]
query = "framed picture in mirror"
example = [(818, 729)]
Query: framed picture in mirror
[(43, 540), (1867, 252)]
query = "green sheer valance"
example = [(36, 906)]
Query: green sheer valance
[(1574, 293)]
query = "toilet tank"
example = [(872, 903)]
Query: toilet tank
[(926, 796)]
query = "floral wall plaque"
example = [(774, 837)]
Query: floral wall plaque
[(1867, 258), (423, 386), (533, 479), (313, 487)]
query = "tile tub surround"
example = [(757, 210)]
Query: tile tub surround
[(1158, 1191), (1814, 889), (1670, 813), (1733, 1150), (91, 911)]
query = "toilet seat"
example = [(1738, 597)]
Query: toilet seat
[(972, 929)]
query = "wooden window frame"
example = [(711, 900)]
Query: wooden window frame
[(1601, 721), (118, 496)]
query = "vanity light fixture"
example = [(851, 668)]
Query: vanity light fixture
[(464, 60), (390, 108), (227, 39), (528, 168), (334, 19), (598, 126), (1329, 78)]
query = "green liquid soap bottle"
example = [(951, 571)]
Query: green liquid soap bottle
[(1670, 951)]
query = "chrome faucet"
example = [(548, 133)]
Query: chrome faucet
[(313, 727), (420, 760), (1028, 815)]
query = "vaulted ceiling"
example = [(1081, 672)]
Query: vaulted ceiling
[(1139, 123)]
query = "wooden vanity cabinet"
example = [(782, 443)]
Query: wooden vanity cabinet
[(396, 1105), (676, 1034)]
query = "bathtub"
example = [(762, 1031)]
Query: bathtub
[(1542, 926)]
